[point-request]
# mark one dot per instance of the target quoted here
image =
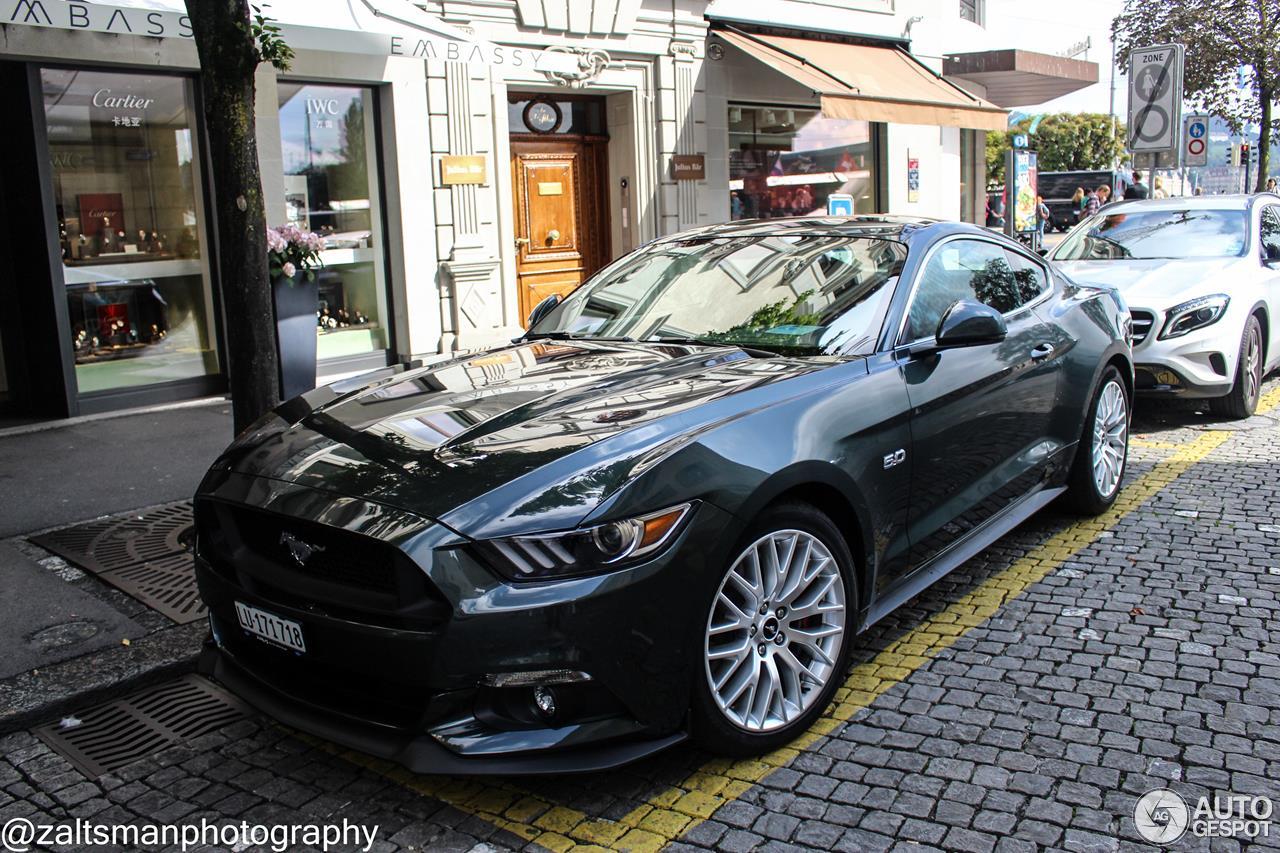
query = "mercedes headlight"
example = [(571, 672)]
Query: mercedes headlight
[(1195, 314), (587, 550)]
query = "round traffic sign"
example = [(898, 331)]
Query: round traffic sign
[(1196, 129), (1195, 147)]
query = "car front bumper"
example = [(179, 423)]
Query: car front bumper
[(419, 689), (1201, 364)]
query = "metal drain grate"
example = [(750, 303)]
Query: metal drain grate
[(167, 584), (144, 555), (111, 543), (117, 733)]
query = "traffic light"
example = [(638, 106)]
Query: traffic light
[(1245, 156)]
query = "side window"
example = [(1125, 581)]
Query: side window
[(1270, 232), (974, 270), (1029, 276)]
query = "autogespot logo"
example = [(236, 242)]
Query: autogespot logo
[(1161, 816)]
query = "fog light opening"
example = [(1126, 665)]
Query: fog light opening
[(544, 700)]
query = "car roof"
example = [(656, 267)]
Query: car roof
[(882, 226), (1235, 201)]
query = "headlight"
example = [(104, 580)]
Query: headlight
[(587, 550), (1193, 315)]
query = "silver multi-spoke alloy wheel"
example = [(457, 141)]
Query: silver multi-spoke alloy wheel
[(1252, 373), (774, 632), (1110, 438)]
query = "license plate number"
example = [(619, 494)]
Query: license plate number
[(270, 627)]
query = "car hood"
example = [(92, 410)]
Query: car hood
[(1156, 283), (551, 424)]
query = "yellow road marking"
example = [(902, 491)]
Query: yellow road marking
[(677, 809)]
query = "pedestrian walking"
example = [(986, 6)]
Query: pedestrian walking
[(1091, 203), (1157, 188), (1271, 185), (1137, 189), (1077, 204), (1043, 216), (1104, 195)]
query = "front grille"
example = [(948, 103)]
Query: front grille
[(1142, 323), (344, 575), (331, 556)]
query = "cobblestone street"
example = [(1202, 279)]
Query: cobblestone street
[(1023, 703)]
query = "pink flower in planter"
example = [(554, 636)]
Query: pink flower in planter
[(288, 269)]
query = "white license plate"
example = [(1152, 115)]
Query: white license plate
[(270, 627)]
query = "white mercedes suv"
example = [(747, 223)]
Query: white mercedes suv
[(1201, 276)]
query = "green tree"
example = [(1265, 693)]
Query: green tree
[(1064, 142), (232, 40), (1221, 37)]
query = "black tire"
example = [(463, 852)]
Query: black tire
[(1242, 401), (710, 726), (1083, 494)]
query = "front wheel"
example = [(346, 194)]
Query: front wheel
[(1104, 448), (1242, 401), (776, 642)]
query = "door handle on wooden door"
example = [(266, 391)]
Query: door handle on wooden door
[(522, 241)]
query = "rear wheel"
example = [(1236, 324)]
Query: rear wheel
[(776, 642), (1104, 448), (1243, 399)]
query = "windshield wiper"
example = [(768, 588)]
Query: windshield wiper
[(570, 336), (687, 341), (754, 352)]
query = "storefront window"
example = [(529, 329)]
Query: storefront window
[(330, 183), (786, 162), (126, 190)]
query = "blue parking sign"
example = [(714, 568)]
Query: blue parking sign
[(840, 204)]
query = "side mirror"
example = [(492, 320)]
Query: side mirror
[(1042, 252), (969, 324), (543, 308)]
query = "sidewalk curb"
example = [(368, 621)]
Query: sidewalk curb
[(31, 699)]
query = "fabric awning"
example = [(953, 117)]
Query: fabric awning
[(869, 83), (377, 27)]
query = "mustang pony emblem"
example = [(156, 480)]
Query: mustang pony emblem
[(299, 550)]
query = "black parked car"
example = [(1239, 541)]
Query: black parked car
[(1057, 189), (669, 508)]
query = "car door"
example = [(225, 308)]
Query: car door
[(1270, 239), (980, 415)]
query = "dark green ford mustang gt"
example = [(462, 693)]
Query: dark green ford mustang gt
[(666, 511)]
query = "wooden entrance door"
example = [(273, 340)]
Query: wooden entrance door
[(562, 229)]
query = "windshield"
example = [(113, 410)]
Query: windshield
[(1140, 234), (790, 294)]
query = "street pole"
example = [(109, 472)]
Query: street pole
[(1115, 158)]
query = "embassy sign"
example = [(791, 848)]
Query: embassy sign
[(363, 30), (92, 17)]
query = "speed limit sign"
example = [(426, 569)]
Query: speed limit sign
[(1195, 141)]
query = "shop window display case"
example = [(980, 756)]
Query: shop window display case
[(330, 165), (126, 189), (785, 161)]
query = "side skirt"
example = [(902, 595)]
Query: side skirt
[(962, 551)]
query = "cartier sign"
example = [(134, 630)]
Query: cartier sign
[(104, 98)]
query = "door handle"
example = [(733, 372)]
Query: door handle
[(1042, 352), (522, 241), (553, 235)]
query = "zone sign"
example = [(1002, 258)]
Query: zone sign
[(1155, 98)]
